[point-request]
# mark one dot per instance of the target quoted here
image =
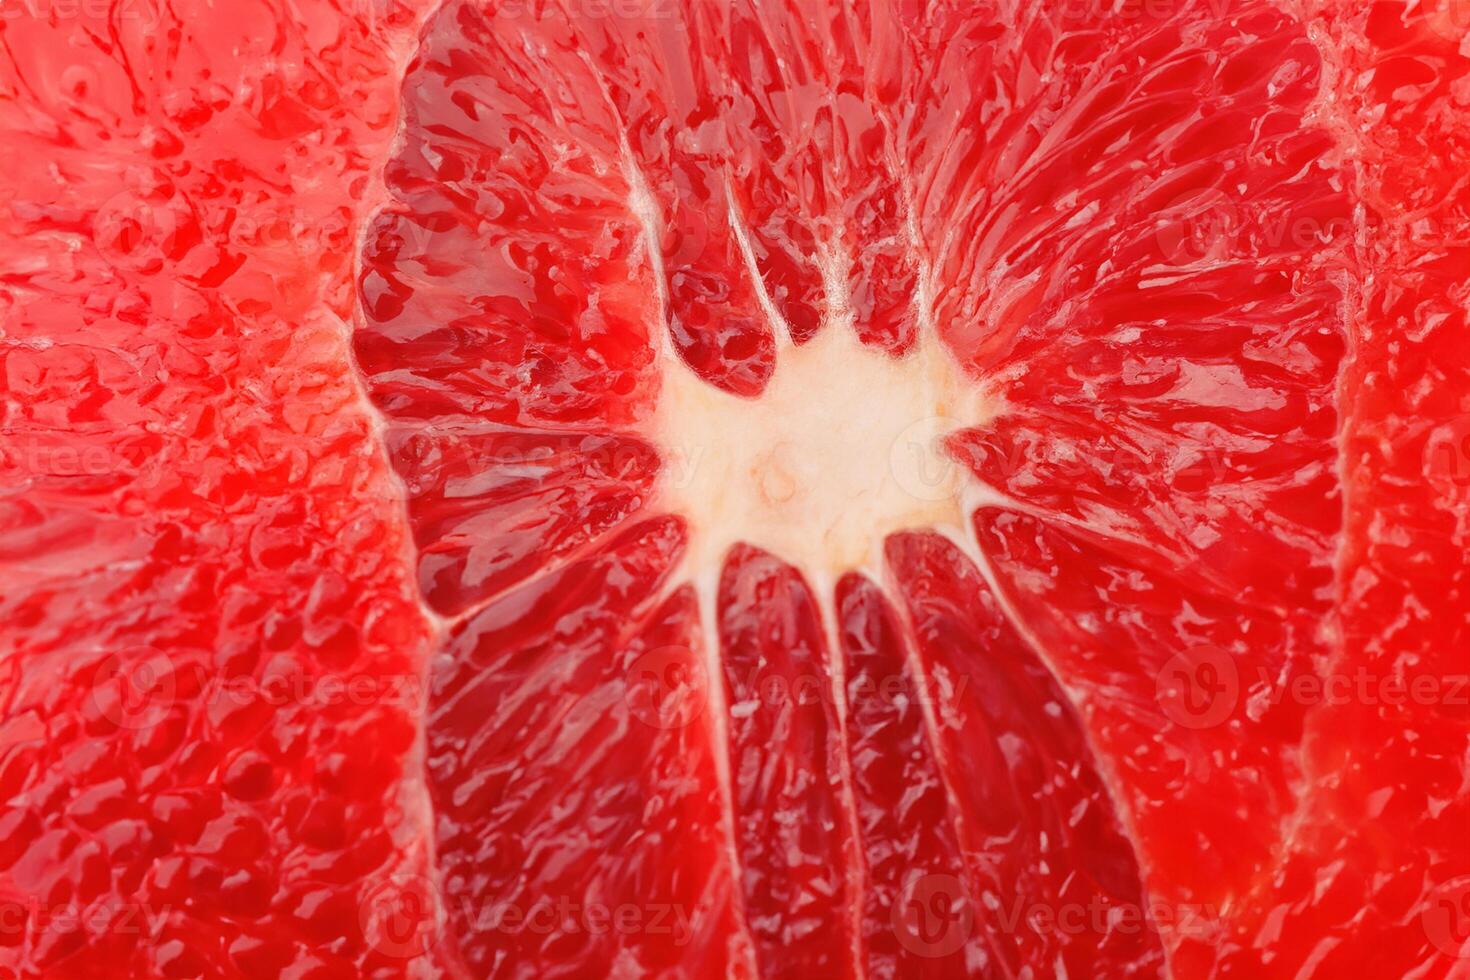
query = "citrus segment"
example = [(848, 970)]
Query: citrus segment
[(492, 504), (1386, 730), (919, 917), (211, 653), (791, 824), (577, 827), (1152, 283), (1054, 878)]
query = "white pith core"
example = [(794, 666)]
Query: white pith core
[(843, 448)]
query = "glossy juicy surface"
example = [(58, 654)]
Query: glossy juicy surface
[(211, 647), (352, 626)]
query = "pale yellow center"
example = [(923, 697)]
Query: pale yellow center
[(844, 447)]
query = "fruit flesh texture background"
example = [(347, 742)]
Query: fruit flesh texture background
[(246, 525)]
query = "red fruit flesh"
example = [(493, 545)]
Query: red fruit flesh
[(211, 649), (899, 800), (1038, 831), (791, 828), (793, 824), (445, 681), (559, 797), (1385, 752)]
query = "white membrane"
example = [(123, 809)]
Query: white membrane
[(844, 447)]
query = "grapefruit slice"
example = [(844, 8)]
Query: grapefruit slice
[(880, 490), (580, 256), (980, 349)]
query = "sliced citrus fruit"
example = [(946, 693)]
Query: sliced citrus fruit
[(897, 489), (946, 350)]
